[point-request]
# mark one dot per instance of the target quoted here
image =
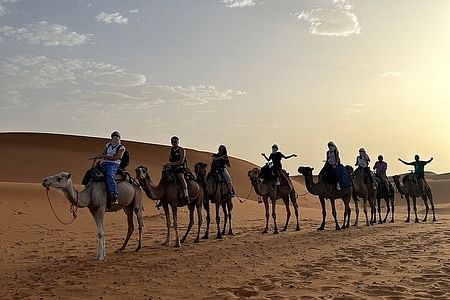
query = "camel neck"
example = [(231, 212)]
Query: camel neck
[(73, 196), (310, 185)]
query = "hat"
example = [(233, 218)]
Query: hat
[(115, 133), (275, 146), (362, 150)]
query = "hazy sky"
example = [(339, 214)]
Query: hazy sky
[(245, 73)]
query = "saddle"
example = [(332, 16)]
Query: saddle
[(95, 174)]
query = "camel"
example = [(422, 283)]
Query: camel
[(411, 188), (94, 197), (364, 190), (200, 173), (218, 193), (388, 194), (267, 189), (328, 191), (168, 192)]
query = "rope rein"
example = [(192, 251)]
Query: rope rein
[(73, 209)]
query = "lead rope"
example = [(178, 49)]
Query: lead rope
[(73, 209)]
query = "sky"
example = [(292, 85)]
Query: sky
[(244, 73)]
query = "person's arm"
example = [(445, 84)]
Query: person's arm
[(406, 163), (182, 158), (289, 156), (227, 161), (116, 156), (263, 154), (428, 161), (356, 163)]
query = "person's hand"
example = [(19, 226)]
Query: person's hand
[(400, 159), (263, 154), (294, 155)]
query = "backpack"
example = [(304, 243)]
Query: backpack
[(125, 160)]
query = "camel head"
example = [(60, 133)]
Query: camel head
[(253, 175), (141, 172), (200, 169), (305, 171), (58, 181)]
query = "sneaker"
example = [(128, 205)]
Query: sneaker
[(158, 205), (277, 182), (114, 200)]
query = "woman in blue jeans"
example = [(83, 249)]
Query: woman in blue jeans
[(112, 155)]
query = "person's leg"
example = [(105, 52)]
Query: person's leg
[(183, 184), (227, 177), (110, 172)]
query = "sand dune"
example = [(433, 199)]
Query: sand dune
[(41, 259)]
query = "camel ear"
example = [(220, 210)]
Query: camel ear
[(69, 175), (312, 169)]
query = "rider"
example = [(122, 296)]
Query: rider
[(276, 157), (112, 155), (380, 168), (362, 161), (329, 171), (177, 163), (419, 168), (219, 163)]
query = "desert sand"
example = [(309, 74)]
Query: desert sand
[(42, 259)]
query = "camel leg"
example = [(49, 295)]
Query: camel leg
[(129, 212), (230, 208), (324, 213), (294, 203), (425, 201), (288, 213), (379, 211), (219, 234), (388, 209), (365, 211), (415, 209), (140, 219), (347, 213), (208, 217), (274, 216), (175, 225), (392, 210), (191, 222), (225, 217), (355, 200), (373, 210), (200, 220), (166, 212), (266, 207), (333, 210), (408, 208), (98, 215), (430, 197)]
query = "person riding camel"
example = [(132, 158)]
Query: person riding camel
[(362, 161), (177, 163), (380, 168), (277, 168), (220, 162), (329, 170), (112, 154), (419, 169)]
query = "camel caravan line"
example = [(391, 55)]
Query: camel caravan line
[(205, 188)]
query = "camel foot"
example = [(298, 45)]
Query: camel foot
[(381, 222), (205, 237), (197, 240), (297, 228), (416, 221), (284, 229), (138, 248), (275, 232), (265, 231), (321, 228), (165, 244), (424, 220), (230, 232), (355, 224), (223, 232), (100, 257), (407, 221), (392, 221), (119, 250), (338, 228), (177, 244), (219, 237), (434, 219)]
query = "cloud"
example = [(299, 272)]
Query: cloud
[(134, 11), (11, 99), (45, 34), (40, 72), (191, 95), (338, 20), (357, 108), (239, 3), (3, 9), (391, 74), (111, 18)]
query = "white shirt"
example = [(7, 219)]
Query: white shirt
[(111, 151), (362, 161)]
